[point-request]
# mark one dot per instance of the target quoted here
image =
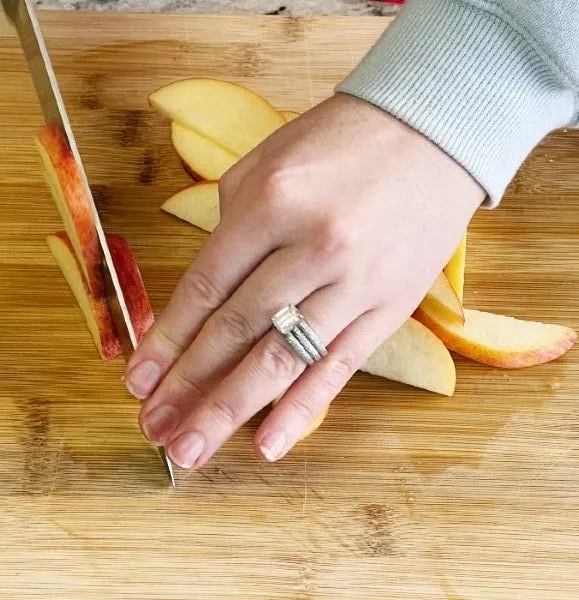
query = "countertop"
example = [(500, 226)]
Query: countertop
[(256, 7)]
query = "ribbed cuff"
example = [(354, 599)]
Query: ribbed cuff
[(469, 82)]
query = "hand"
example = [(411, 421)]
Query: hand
[(345, 212)]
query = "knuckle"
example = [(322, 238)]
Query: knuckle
[(166, 339), (226, 184), (233, 324), (187, 382), (197, 286), (341, 366), (333, 239), (303, 407), (277, 187), (332, 374), (277, 361), (223, 413)]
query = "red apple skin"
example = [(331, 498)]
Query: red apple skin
[(489, 356), (132, 285), (54, 142), (134, 292)]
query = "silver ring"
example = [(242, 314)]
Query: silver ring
[(299, 335)]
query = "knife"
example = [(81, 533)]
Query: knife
[(23, 16)]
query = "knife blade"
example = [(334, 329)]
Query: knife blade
[(23, 16), (127, 348)]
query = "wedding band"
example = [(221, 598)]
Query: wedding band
[(299, 335)]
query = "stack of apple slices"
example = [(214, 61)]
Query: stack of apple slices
[(77, 250), (215, 123)]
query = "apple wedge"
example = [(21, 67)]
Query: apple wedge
[(415, 356), (230, 115), (63, 178), (94, 309), (454, 270), (443, 299), (197, 204), (134, 291), (203, 157), (289, 115), (499, 341)]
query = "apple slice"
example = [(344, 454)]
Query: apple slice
[(415, 356), (500, 341), (442, 298), (204, 158), (289, 115), (132, 285), (197, 204), (94, 309), (454, 270), (63, 178), (230, 115)]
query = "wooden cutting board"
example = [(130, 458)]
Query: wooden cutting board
[(401, 494)]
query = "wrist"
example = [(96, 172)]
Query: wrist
[(426, 162), (467, 80)]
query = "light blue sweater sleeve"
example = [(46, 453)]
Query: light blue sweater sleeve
[(484, 80)]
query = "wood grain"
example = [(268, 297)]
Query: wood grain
[(401, 494)]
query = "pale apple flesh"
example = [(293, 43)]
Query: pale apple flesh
[(289, 115), (454, 270), (94, 309), (203, 158), (230, 115), (442, 298), (500, 341), (415, 356), (63, 177), (197, 204)]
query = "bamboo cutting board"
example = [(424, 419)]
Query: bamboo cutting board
[(401, 494)]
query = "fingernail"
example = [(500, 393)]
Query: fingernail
[(143, 379), (272, 445), (186, 450), (159, 423)]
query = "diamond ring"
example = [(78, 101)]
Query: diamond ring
[(299, 335)]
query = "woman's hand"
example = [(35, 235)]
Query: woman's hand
[(345, 212)]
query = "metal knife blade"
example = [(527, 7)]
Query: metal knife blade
[(23, 16), (127, 348)]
